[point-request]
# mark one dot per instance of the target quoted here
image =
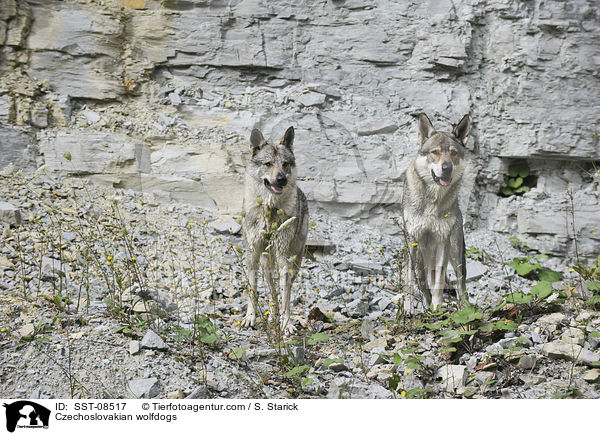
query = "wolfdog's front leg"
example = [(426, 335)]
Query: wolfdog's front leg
[(252, 261), (289, 272), (441, 264)]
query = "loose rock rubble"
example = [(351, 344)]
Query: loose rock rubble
[(68, 323), (77, 332)]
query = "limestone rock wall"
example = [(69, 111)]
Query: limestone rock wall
[(160, 96)]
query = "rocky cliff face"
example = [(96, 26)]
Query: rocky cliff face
[(160, 96)]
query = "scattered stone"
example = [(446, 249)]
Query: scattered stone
[(5, 263), (527, 362), (26, 331), (316, 315), (367, 329), (351, 388), (10, 214), (380, 342), (53, 267), (201, 392), (299, 354), (357, 308), (309, 99), (91, 116), (337, 367), (571, 352), (592, 376), (381, 127), (178, 394), (175, 98), (319, 247), (134, 347), (227, 227), (452, 375), (531, 379), (68, 236), (573, 336), (552, 321), (146, 388), (153, 341)]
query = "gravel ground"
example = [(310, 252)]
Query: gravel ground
[(99, 289)]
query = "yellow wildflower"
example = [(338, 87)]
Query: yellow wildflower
[(415, 244), (403, 393)]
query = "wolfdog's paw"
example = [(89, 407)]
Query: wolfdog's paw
[(249, 321)]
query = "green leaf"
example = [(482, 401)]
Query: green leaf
[(437, 325), (393, 382), (467, 315), (451, 336), (237, 354), (594, 300), (469, 392), (415, 392), (413, 365), (595, 334), (523, 171), (522, 266), (522, 189), (397, 359), (329, 361), (486, 328), (307, 381), (593, 286), (542, 289), (209, 339), (297, 371), (513, 170), (515, 182), (507, 191), (317, 337), (519, 297), (550, 275), (505, 325)]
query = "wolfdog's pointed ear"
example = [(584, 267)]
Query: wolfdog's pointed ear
[(462, 129), (288, 138), (426, 130), (257, 140)]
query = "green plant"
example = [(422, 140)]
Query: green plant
[(594, 300), (206, 331), (531, 268), (518, 177)]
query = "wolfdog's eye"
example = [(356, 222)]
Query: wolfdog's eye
[(268, 164), (435, 152), (285, 165), (453, 152)]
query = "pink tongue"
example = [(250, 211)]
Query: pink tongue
[(275, 189), (444, 183)]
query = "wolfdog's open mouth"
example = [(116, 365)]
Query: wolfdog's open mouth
[(276, 190), (442, 181)]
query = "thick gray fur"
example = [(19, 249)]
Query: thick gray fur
[(431, 210), (268, 203)]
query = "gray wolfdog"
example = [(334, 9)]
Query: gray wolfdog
[(433, 220), (271, 199)]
